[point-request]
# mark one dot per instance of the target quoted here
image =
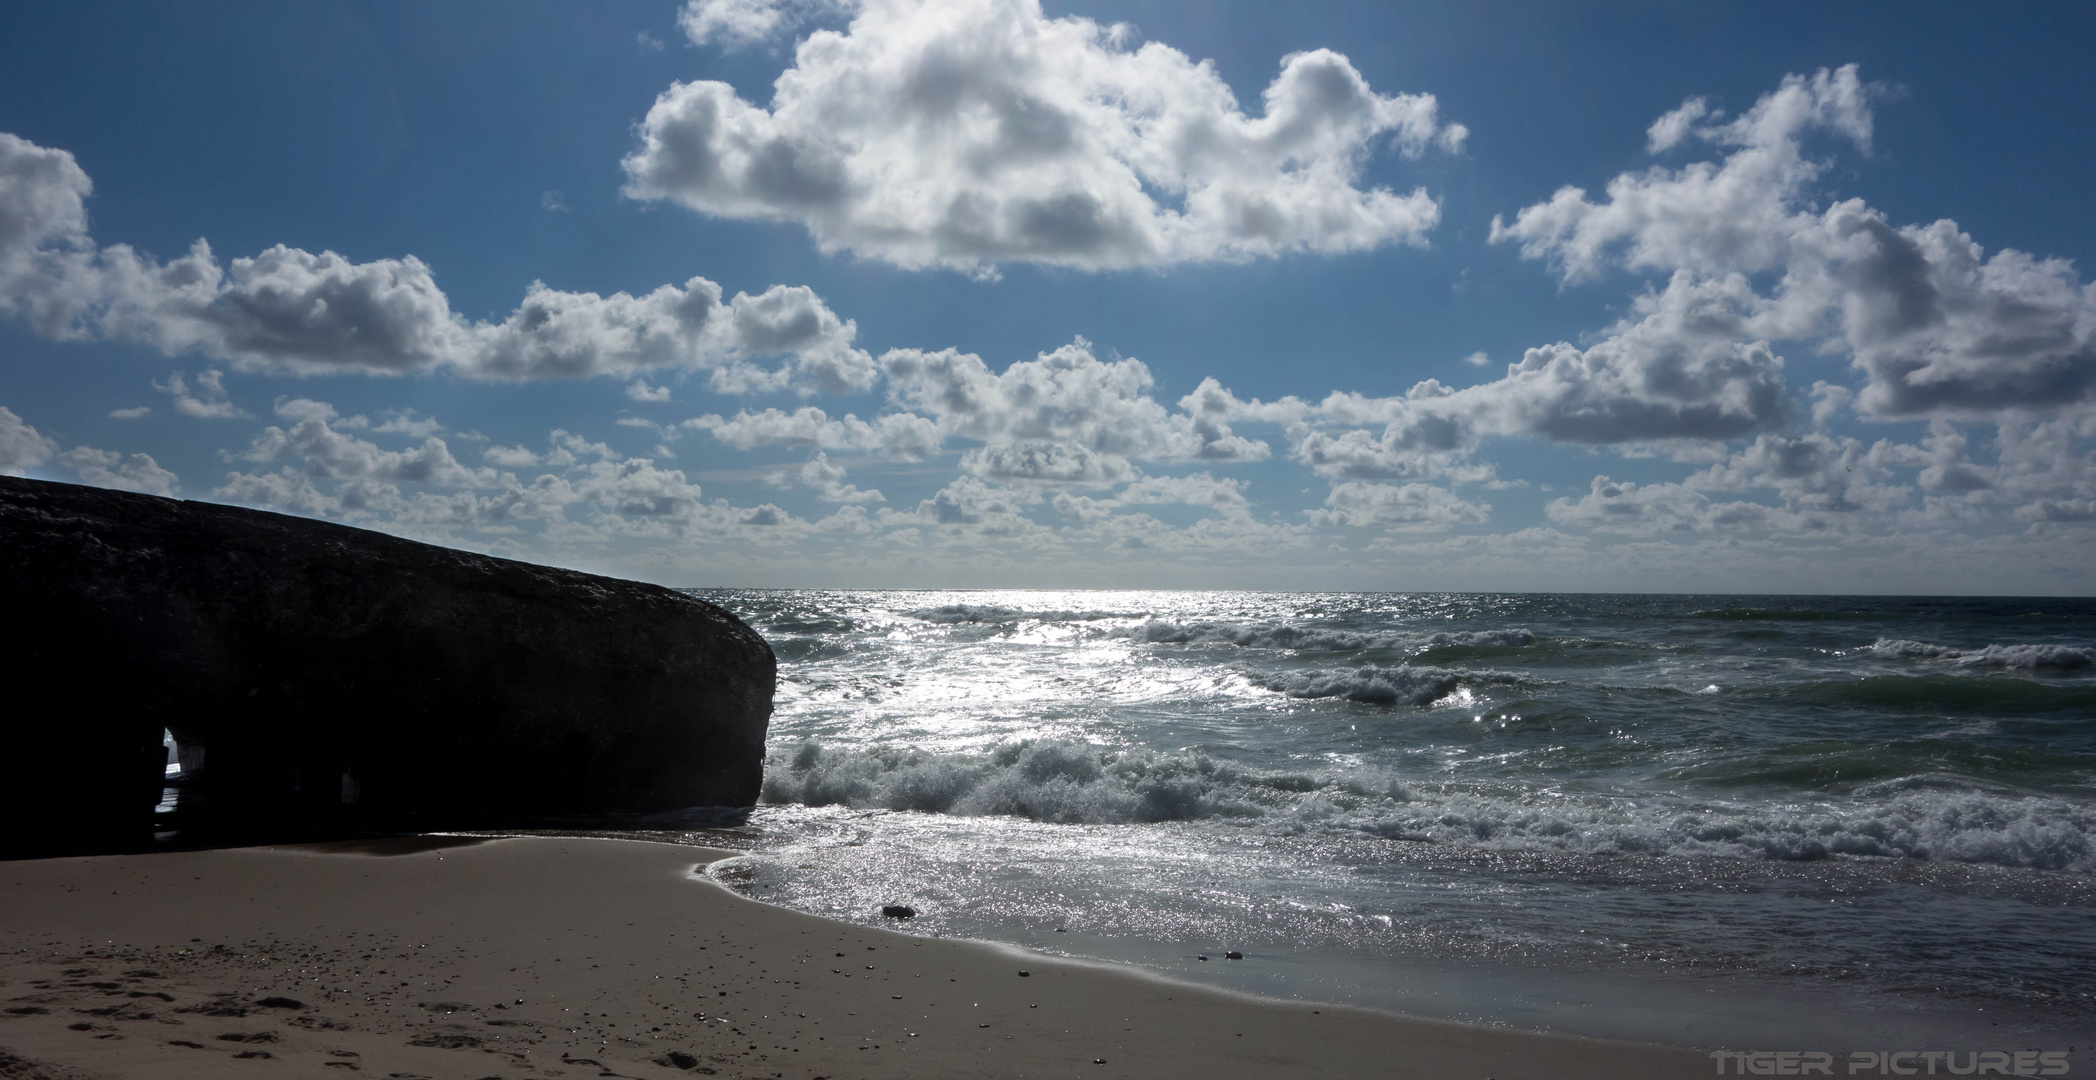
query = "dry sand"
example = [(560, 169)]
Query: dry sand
[(542, 957)]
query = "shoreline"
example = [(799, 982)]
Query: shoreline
[(539, 956)]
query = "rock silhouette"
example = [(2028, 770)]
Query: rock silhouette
[(315, 672)]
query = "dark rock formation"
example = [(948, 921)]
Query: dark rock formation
[(319, 673)]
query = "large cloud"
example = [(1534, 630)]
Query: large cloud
[(1678, 368), (46, 260), (295, 311), (1935, 326), (1707, 217), (1940, 329), (565, 334), (968, 133)]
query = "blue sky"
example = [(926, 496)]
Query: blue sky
[(1297, 295)]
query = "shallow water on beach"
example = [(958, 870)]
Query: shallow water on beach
[(1716, 820)]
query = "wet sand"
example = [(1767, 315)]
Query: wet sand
[(544, 957)]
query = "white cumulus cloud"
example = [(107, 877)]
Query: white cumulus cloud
[(967, 133), (288, 310), (1408, 506), (206, 400), (901, 435), (827, 481), (735, 24), (1065, 416), (317, 439), (1935, 325), (22, 447), (109, 469)]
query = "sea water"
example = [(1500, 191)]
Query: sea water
[(1784, 822)]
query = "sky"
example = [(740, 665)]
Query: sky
[(1769, 298)]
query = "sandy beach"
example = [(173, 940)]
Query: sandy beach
[(550, 957)]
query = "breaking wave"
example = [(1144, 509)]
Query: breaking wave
[(2027, 657), (1403, 684), (1072, 782), (992, 614), (1047, 780)]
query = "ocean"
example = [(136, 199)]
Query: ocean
[(1751, 821)]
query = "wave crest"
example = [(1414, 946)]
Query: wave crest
[(1404, 684), (2027, 657), (1045, 780), (1303, 639), (995, 615)]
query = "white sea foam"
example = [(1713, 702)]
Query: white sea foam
[(2033, 656), (1080, 783), (2030, 657), (1952, 826)]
